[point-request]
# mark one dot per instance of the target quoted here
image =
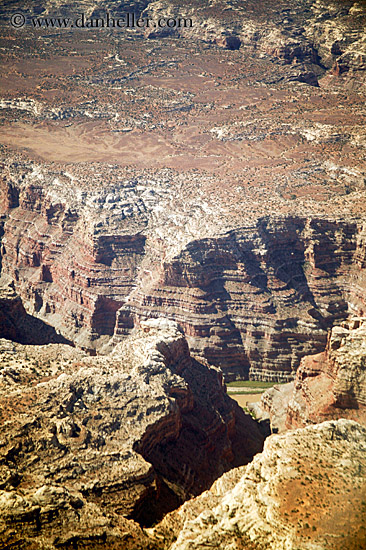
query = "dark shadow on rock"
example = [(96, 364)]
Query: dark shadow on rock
[(213, 436), (17, 325)]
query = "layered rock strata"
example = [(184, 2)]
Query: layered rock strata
[(328, 385), (305, 490), (88, 445), (252, 299), (17, 325), (229, 198), (332, 383)]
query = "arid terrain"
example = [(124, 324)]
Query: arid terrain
[(181, 207)]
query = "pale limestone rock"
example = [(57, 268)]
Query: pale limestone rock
[(303, 491)]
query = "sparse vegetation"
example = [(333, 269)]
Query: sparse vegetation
[(253, 392), (250, 384)]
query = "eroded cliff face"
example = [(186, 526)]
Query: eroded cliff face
[(305, 490), (214, 175), (91, 444), (332, 383), (251, 299), (229, 198), (328, 385)]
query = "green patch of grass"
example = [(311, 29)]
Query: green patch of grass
[(250, 412), (250, 384), (253, 392)]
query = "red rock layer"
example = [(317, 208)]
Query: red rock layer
[(332, 384), (253, 301), (258, 299)]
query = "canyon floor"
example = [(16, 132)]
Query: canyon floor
[(182, 209)]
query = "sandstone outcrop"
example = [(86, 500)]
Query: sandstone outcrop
[(313, 36), (90, 444), (174, 200), (340, 46), (332, 383), (328, 385), (305, 490), (17, 325)]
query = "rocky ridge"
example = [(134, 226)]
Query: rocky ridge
[(90, 444), (334, 381), (328, 385), (94, 265), (228, 198), (228, 195), (291, 496)]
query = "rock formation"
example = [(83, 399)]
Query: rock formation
[(305, 490), (332, 383), (172, 200), (312, 36), (17, 325), (228, 198), (328, 385), (252, 300), (90, 444)]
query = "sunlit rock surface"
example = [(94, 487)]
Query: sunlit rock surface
[(88, 444), (331, 384), (214, 175), (306, 490)]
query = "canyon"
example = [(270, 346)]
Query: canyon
[(252, 299), (94, 447), (305, 490), (180, 208), (230, 204), (327, 385)]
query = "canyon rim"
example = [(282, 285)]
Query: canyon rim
[(182, 209)]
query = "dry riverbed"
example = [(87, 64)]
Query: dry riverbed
[(247, 391)]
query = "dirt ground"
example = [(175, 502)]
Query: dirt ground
[(242, 400)]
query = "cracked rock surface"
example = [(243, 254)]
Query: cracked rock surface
[(90, 444)]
